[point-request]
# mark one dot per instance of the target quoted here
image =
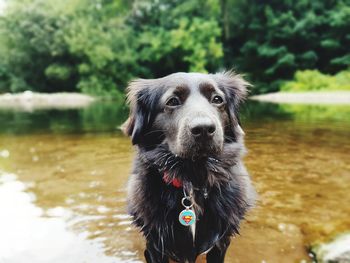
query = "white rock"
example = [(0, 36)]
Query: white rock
[(337, 250)]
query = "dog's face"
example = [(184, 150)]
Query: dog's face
[(193, 113)]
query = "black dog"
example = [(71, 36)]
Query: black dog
[(189, 189)]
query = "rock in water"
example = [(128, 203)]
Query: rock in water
[(336, 251)]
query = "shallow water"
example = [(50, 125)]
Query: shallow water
[(63, 177)]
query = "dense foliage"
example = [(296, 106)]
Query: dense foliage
[(97, 46), (45, 49), (270, 40)]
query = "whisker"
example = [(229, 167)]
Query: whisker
[(173, 165), (153, 131)]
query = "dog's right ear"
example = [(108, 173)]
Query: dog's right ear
[(143, 106)]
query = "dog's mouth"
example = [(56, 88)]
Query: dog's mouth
[(211, 167), (204, 150), (199, 150), (165, 159)]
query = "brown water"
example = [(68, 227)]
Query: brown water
[(63, 177)]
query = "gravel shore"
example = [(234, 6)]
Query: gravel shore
[(319, 97), (29, 101)]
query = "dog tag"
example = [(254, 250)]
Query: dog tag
[(187, 217)]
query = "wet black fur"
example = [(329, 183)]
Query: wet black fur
[(156, 205), (145, 112)]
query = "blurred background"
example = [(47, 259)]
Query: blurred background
[(64, 164)]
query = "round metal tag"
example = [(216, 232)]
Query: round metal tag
[(187, 217)]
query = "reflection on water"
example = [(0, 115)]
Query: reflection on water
[(29, 232), (99, 117), (63, 177)]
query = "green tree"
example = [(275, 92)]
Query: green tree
[(177, 35), (97, 46), (272, 39), (80, 49)]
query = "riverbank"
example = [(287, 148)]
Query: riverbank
[(29, 101), (312, 97)]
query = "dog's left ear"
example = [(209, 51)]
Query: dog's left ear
[(236, 91), (143, 107)]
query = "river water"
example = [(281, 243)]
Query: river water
[(63, 176)]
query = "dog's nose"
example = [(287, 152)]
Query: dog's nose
[(204, 130)]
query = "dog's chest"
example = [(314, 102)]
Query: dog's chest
[(201, 236)]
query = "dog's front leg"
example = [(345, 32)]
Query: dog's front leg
[(154, 256), (218, 252)]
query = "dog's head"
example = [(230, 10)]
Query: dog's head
[(193, 114)]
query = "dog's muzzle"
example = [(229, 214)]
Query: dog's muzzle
[(202, 129)]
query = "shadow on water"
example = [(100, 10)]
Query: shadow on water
[(262, 111), (63, 176)]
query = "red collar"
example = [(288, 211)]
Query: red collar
[(174, 182)]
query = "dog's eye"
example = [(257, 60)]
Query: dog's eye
[(217, 99), (173, 102)]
